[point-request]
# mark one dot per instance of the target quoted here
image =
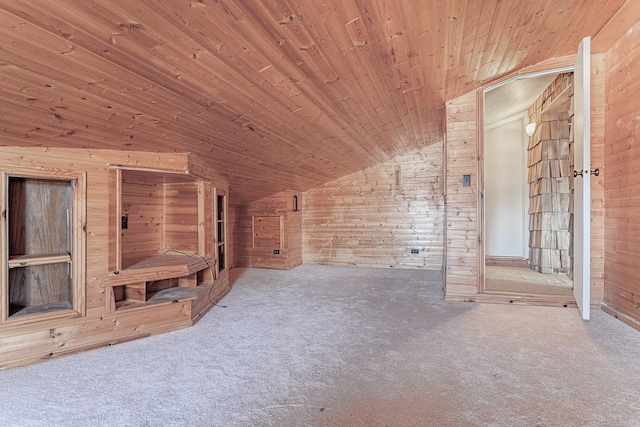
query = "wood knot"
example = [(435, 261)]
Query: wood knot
[(131, 26)]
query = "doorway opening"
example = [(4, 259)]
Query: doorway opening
[(528, 186)]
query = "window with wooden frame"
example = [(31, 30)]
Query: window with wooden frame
[(43, 238), (221, 231)]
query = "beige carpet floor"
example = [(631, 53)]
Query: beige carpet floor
[(345, 347), (520, 280)]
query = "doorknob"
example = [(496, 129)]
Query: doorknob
[(595, 172)]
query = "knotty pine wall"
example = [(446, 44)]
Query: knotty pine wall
[(259, 233), (597, 183), (462, 204), (143, 205), (622, 178), (161, 215), (181, 217), (33, 341), (373, 218)]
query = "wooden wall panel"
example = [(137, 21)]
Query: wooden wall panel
[(374, 218), (43, 339), (597, 183), (462, 221), (237, 235), (267, 232), (209, 218), (181, 217), (142, 204), (621, 177), (266, 225)]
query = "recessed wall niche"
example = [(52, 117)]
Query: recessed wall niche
[(42, 237), (169, 240), (162, 215)]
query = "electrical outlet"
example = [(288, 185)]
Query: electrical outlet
[(125, 223), (466, 180), (415, 251), (276, 251)]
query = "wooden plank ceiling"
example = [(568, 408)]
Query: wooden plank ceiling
[(275, 94)]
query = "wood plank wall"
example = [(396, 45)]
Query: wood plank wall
[(462, 222), (142, 204), (266, 225), (597, 183), (181, 217), (622, 177), (27, 343), (373, 218)]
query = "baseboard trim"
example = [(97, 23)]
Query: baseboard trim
[(506, 262), (620, 315), (516, 299)]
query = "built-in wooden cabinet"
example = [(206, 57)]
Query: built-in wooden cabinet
[(270, 232), (42, 237), (99, 247)]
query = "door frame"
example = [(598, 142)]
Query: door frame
[(541, 300)]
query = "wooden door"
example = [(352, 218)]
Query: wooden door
[(582, 161)]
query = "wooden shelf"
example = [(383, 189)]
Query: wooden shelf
[(29, 260), (158, 267), (166, 296), (42, 308)]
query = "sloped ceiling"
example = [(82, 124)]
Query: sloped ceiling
[(275, 94), (514, 97)]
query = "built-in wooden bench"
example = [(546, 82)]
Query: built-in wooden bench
[(159, 267), (136, 281)]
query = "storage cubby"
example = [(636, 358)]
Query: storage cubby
[(39, 236), (159, 215), (167, 237), (145, 294)]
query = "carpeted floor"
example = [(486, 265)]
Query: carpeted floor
[(333, 346), (519, 280)]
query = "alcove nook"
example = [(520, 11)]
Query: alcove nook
[(106, 247)]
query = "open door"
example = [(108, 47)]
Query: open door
[(582, 187)]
